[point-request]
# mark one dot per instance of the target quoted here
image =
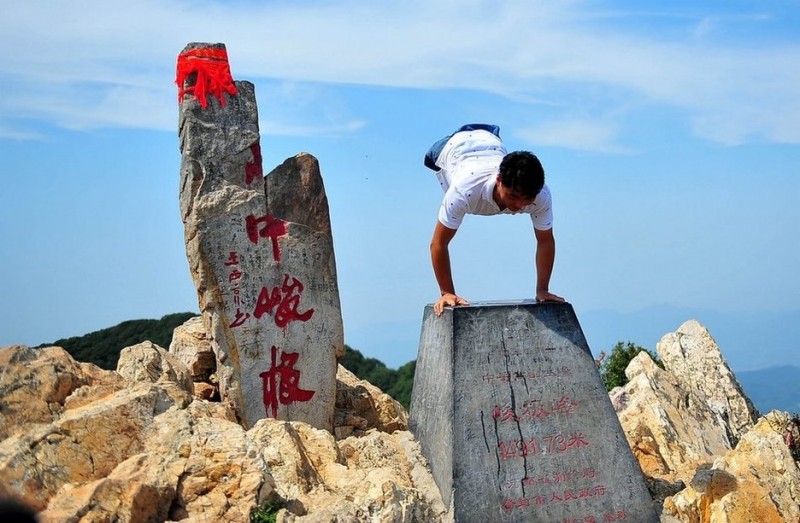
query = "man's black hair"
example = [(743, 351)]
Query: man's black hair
[(522, 172)]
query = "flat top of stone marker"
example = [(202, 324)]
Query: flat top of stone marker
[(501, 303)]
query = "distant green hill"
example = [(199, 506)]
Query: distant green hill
[(103, 347)]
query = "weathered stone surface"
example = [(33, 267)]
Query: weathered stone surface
[(35, 384), (145, 451), (84, 443), (147, 362), (361, 405), (514, 419), (265, 274), (671, 430), (191, 344), (757, 481), (373, 478), (693, 357)]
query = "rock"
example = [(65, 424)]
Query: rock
[(759, 480), (147, 362), (694, 358), (85, 443), (670, 430), (361, 405), (377, 477), (191, 468), (35, 384), (191, 344), (261, 257)]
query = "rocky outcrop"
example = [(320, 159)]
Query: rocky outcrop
[(101, 447), (699, 441), (693, 357)]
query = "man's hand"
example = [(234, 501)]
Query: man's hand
[(448, 300), (548, 296)]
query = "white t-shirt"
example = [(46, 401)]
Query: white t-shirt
[(469, 165)]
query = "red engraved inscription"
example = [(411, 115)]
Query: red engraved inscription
[(266, 227), (253, 168), (281, 383), (287, 300)]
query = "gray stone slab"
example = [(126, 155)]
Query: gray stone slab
[(515, 421)]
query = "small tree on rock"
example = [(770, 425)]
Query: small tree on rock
[(612, 367)]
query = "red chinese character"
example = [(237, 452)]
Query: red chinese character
[(273, 229), (539, 500), (555, 497), (589, 473), (523, 502), (285, 299), (509, 504), (608, 516), (288, 391), (234, 275), (504, 413), (253, 167), (589, 519), (569, 494), (233, 258), (621, 515), (599, 490), (577, 440), (585, 493), (565, 405), (533, 409), (240, 318)]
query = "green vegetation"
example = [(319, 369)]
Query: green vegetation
[(103, 347), (266, 513), (395, 383), (612, 367)]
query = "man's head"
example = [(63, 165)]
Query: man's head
[(520, 179)]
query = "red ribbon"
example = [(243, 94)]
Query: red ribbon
[(213, 74)]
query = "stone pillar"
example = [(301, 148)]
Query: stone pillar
[(515, 421), (264, 270)]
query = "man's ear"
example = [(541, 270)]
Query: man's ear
[(499, 181)]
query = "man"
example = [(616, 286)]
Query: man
[(479, 177)]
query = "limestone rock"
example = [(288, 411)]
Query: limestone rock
[(84, 443), (368, 478), (148, 362), (191, 469), (191, 344), (694, 358), (361, 405), (118, 450), (757, 481), (670, 430), (35, 384)]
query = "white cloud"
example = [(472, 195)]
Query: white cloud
[(522, 50), (586, 135)]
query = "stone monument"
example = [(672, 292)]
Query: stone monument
[(260, 253), (515, 421)]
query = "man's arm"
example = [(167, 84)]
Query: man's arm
[(545, 258), (440, 258)]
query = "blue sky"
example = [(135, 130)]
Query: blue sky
[(670, 137)]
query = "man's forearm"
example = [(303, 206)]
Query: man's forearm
[(440, 258), (545, 259)]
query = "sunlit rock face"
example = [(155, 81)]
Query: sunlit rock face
[(698, 438), (142, 448)]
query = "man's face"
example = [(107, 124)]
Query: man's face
[(509, 199)]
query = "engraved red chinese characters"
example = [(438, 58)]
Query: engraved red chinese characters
[(270, 227), (281, 383)]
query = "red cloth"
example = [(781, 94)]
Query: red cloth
[(213, 74)]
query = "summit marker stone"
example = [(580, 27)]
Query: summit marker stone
[(515, 421), (260, 253)]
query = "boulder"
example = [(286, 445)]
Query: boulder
[(147, 362)]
